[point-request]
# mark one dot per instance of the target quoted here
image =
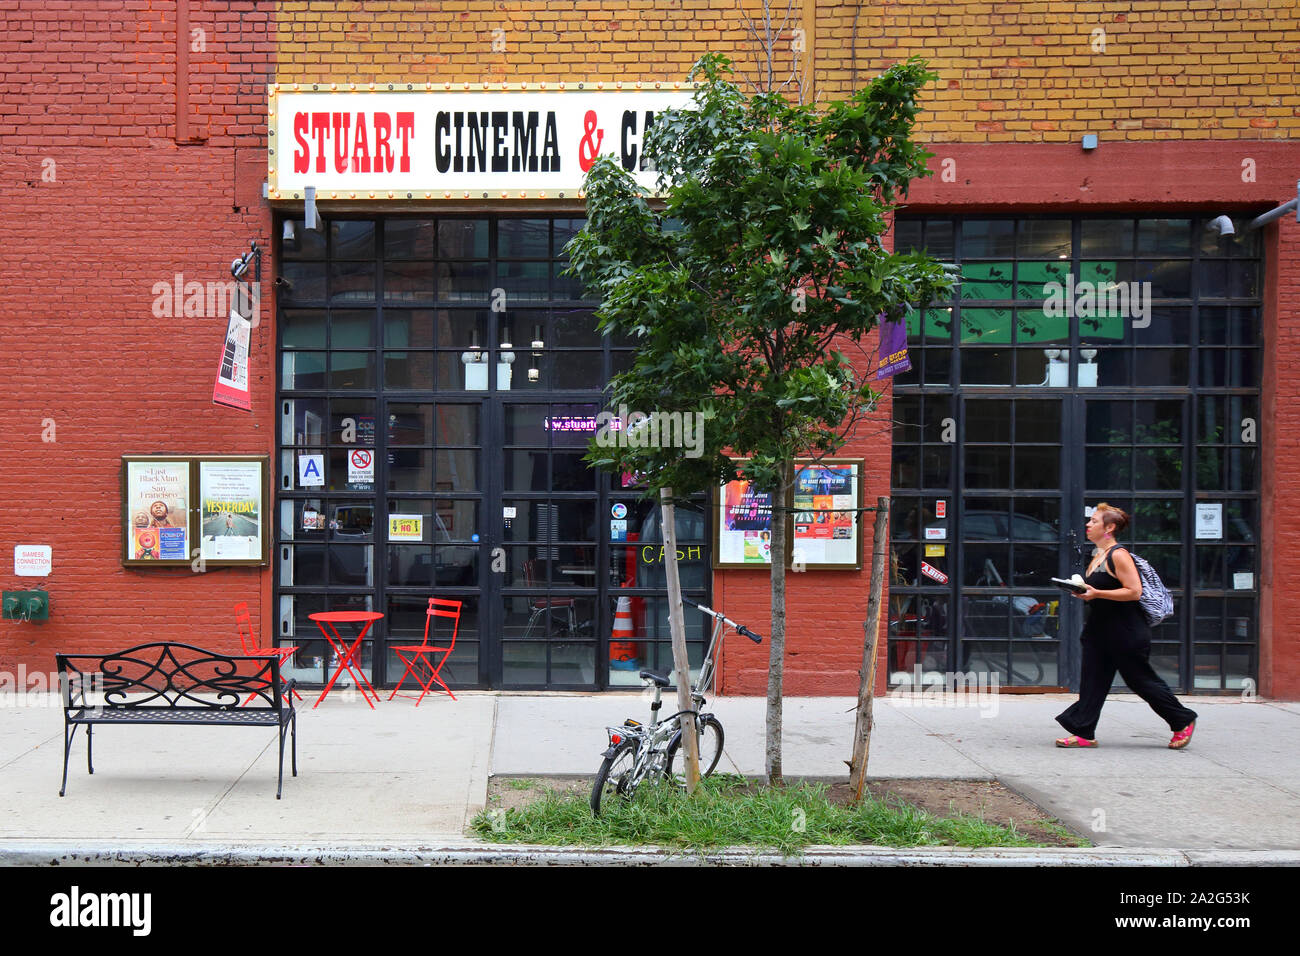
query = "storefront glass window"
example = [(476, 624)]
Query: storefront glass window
[(1145, 333), (467, 371)]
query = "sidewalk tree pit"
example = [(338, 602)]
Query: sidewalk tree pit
[(764, 263)]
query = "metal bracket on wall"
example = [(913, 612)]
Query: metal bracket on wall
[(1278, 213)]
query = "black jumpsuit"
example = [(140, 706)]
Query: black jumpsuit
[(1116, 637)]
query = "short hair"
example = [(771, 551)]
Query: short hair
[(1112, 517)]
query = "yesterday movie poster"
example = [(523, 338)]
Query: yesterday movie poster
[(230, 516)]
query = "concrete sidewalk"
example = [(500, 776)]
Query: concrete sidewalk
[(404, 782), (1237, 785)]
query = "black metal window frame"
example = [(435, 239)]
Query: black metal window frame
[(335, 280), (1222, 342)]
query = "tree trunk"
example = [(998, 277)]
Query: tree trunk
[(776, 651), (871, 638), (677, 627)]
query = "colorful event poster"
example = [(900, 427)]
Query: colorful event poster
[(230, 514), (823, 526), (824, 479), (746, 508), (758, 547), (803, 515), (157, 507), (744, 524)]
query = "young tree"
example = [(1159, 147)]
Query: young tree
[(764, 260)]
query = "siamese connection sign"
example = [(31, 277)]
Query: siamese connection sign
[(440, 144)]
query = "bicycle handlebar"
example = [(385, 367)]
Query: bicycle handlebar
[(739, 628)]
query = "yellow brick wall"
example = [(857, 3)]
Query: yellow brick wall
[(1039, 72), (528, 41), (1009, 72)]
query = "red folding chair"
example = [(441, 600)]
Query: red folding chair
[(248, 641), (438, 607)]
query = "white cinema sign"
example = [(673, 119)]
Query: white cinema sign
[(421, 143)]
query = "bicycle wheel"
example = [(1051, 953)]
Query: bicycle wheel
[(710, 734), (612, 776)]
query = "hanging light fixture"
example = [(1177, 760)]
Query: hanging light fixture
[(534, 373), (475, 362)]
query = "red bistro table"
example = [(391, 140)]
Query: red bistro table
[(325, 620)]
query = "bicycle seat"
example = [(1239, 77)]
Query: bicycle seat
[(659, 681)]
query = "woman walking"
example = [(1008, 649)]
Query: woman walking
[(1116, 637)]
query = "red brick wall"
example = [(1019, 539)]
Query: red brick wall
[(87, 99), (1279, 666), (825, 610), (89, 88)]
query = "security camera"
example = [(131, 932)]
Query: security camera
[(1222, 225)]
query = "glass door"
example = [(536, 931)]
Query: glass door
[(1016, 534), (432, 529), (578, 579), (545, 582), (1135, 455)]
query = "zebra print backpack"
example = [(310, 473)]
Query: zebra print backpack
[(1156, 603)]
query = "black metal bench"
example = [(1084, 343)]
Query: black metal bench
[(169, 683)]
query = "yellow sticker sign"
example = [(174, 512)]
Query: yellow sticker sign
[(406, 527), (934, 550)]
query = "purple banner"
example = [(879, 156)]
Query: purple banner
[(893, 348)]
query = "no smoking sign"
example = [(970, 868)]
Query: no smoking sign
[(361, 467)]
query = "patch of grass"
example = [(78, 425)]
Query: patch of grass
[(1053, 827), (729, 811), (1059, 830), (519, 784)]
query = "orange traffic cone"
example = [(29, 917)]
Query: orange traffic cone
[(624, 653)]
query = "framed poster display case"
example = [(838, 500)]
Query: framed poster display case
[(823, 528), (179, 508)]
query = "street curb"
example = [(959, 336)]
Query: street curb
[(16, 853)]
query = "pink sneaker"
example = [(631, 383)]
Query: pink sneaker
[(1181, 739)]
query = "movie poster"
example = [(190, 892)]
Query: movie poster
[(823, 527), (230, 511), (157, 499), (825, 519), (746, 527)]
